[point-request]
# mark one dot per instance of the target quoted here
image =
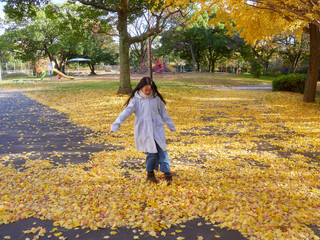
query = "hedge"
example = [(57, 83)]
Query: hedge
[(293, 82)]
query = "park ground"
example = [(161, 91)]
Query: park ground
[(242, 160)]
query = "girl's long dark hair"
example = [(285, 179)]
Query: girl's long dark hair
[(143, 82)]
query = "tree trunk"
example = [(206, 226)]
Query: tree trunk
[(195, 67), (213, 65), (63, 68), (198, 60), (313, 69), (91, 66), (125, 83), (209, 57), (296, 61)]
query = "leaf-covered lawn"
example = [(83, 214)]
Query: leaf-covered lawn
[(246, 160)]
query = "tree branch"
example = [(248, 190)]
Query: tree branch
[(282, 8), (156, 29)]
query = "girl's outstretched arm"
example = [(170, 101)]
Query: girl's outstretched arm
[(127, 112), (166, 118)]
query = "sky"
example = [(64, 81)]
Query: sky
[(2, 4)]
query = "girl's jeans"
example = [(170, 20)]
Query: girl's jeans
[(154, 159)]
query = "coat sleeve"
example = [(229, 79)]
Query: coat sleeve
[(127, 112), (166, 118)]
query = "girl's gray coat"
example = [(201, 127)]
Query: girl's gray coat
[(150, 115)]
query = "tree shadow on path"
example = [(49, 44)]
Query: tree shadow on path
[(30, 131)]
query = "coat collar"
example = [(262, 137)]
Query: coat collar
[(137, 95)]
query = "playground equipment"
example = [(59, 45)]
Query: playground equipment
[(62, 74), (45, 73), (79, 60), (163, 65), (24, 81), (51, 69), (170, 68)]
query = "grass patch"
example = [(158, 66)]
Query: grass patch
[(87, 85), (179, 80), (209, 79), (16, 76), (318, 97)]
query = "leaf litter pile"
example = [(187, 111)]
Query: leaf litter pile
[(244, 160)]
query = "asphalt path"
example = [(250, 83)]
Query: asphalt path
[(30, 130), (259, 87)]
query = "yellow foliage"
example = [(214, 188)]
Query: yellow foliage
[(261, 20), (41, 65)]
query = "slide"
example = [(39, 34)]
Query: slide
[(171, 69), (60, 73), (162, 69), (44, 75)]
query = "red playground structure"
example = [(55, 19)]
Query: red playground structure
[(160, 65)]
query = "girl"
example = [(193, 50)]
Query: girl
[(150, 114)]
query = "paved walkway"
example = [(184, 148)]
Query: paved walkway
[(29, 129), (260, 87)]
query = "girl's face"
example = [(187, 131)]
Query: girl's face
[(147, 90)]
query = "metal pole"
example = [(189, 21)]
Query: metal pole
[(1, 68), (150, 56)]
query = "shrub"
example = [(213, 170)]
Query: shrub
[(274, 73), (256, 69), (293, 82)]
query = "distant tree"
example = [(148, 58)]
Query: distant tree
[(58, 32), (294, 51), (139, 50), (263, 52), (198, 43), (99, 48), (219, 45)]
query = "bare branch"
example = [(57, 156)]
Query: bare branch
[(159, 26)]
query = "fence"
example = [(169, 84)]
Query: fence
[(107, 68), (15, 67)]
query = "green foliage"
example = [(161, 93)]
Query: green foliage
[(294, 51), (293, 82), (18, 9), (60, 32), (208, 44), (274, 73), (256, 69)]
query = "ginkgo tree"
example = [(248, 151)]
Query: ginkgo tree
[(261, 20)]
